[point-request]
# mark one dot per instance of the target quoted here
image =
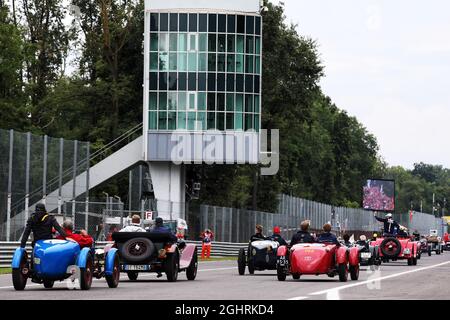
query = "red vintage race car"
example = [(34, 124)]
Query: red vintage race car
[(316, 259), (398, 248)]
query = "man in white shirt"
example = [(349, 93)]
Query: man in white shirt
[(135, 225)]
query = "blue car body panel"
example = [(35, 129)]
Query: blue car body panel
[(82, 257), (17, 258), (52, 257), (109, 261)]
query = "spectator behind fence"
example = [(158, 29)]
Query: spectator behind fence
[(135, 225)]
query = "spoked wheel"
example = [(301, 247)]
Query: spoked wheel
[(86, 274), (113, 280), (48, 284), (132, 275), (20, 275), (354, 272), (191, 272), (241, 262), (171, 267), (281, 275), (343, 272)]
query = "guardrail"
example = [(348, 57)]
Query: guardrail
[(218, 250)]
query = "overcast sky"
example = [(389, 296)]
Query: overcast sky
[(387, 63)]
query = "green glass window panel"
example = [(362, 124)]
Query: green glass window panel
[(240, 44), (221, 62), (257, 104), (201, 121), (192, 42), (257, 65), (239, 102), (182, 100), (182, 62), (249, 64), (230, 102), (191, 120), (192, 61), (250, 43), (192, 101), (153, 120), (181, 120), (211, 102), (172, 125), (162, 101), (238, 121), (162, 120), (256, 123), (248, 103), (154, 42), (172, 101), (211, 120), (211, 42), (258, 45), (202, 64), (231, 43), (231, 63), (201, 101), (163, 61), (220, 121), (230, 121), (220, 102), (173, 38), (173, 57), (221, 43), (182, 42), (153, 103), (154, 61), (163, 42), (203, 42), (240, 63), (248, 122), (211, 62)]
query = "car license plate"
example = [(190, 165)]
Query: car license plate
[(366, 255), (136, 267)]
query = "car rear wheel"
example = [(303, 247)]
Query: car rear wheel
[(251, 266), (132, 275), (19, 275), (191, 272), (414, 261), (137, 249), (86, 274), (48, 284), (296, 276), (343, 272), (241, 262), (171, 267), (281, 275), (354, 272), (429, 251), (113, 280)]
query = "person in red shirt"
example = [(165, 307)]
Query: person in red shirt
[(83, 239), (446, 237)]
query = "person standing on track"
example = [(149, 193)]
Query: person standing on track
[(206, 237)]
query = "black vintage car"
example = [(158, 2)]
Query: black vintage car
[(260, 255), (155, 252)]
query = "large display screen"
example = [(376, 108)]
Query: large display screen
[(379, 195)]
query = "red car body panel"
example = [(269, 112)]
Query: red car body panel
[(186, 255), (406, 243)]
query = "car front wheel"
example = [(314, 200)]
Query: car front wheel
[(343, 272), (132, 275)]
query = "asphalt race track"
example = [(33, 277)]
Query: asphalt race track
[(220, 281)]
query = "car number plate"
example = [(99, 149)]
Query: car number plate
[(136, 268), (366, 255)]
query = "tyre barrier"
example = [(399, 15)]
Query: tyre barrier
[(218, 250)]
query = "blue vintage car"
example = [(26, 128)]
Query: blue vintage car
[(58, 260)]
